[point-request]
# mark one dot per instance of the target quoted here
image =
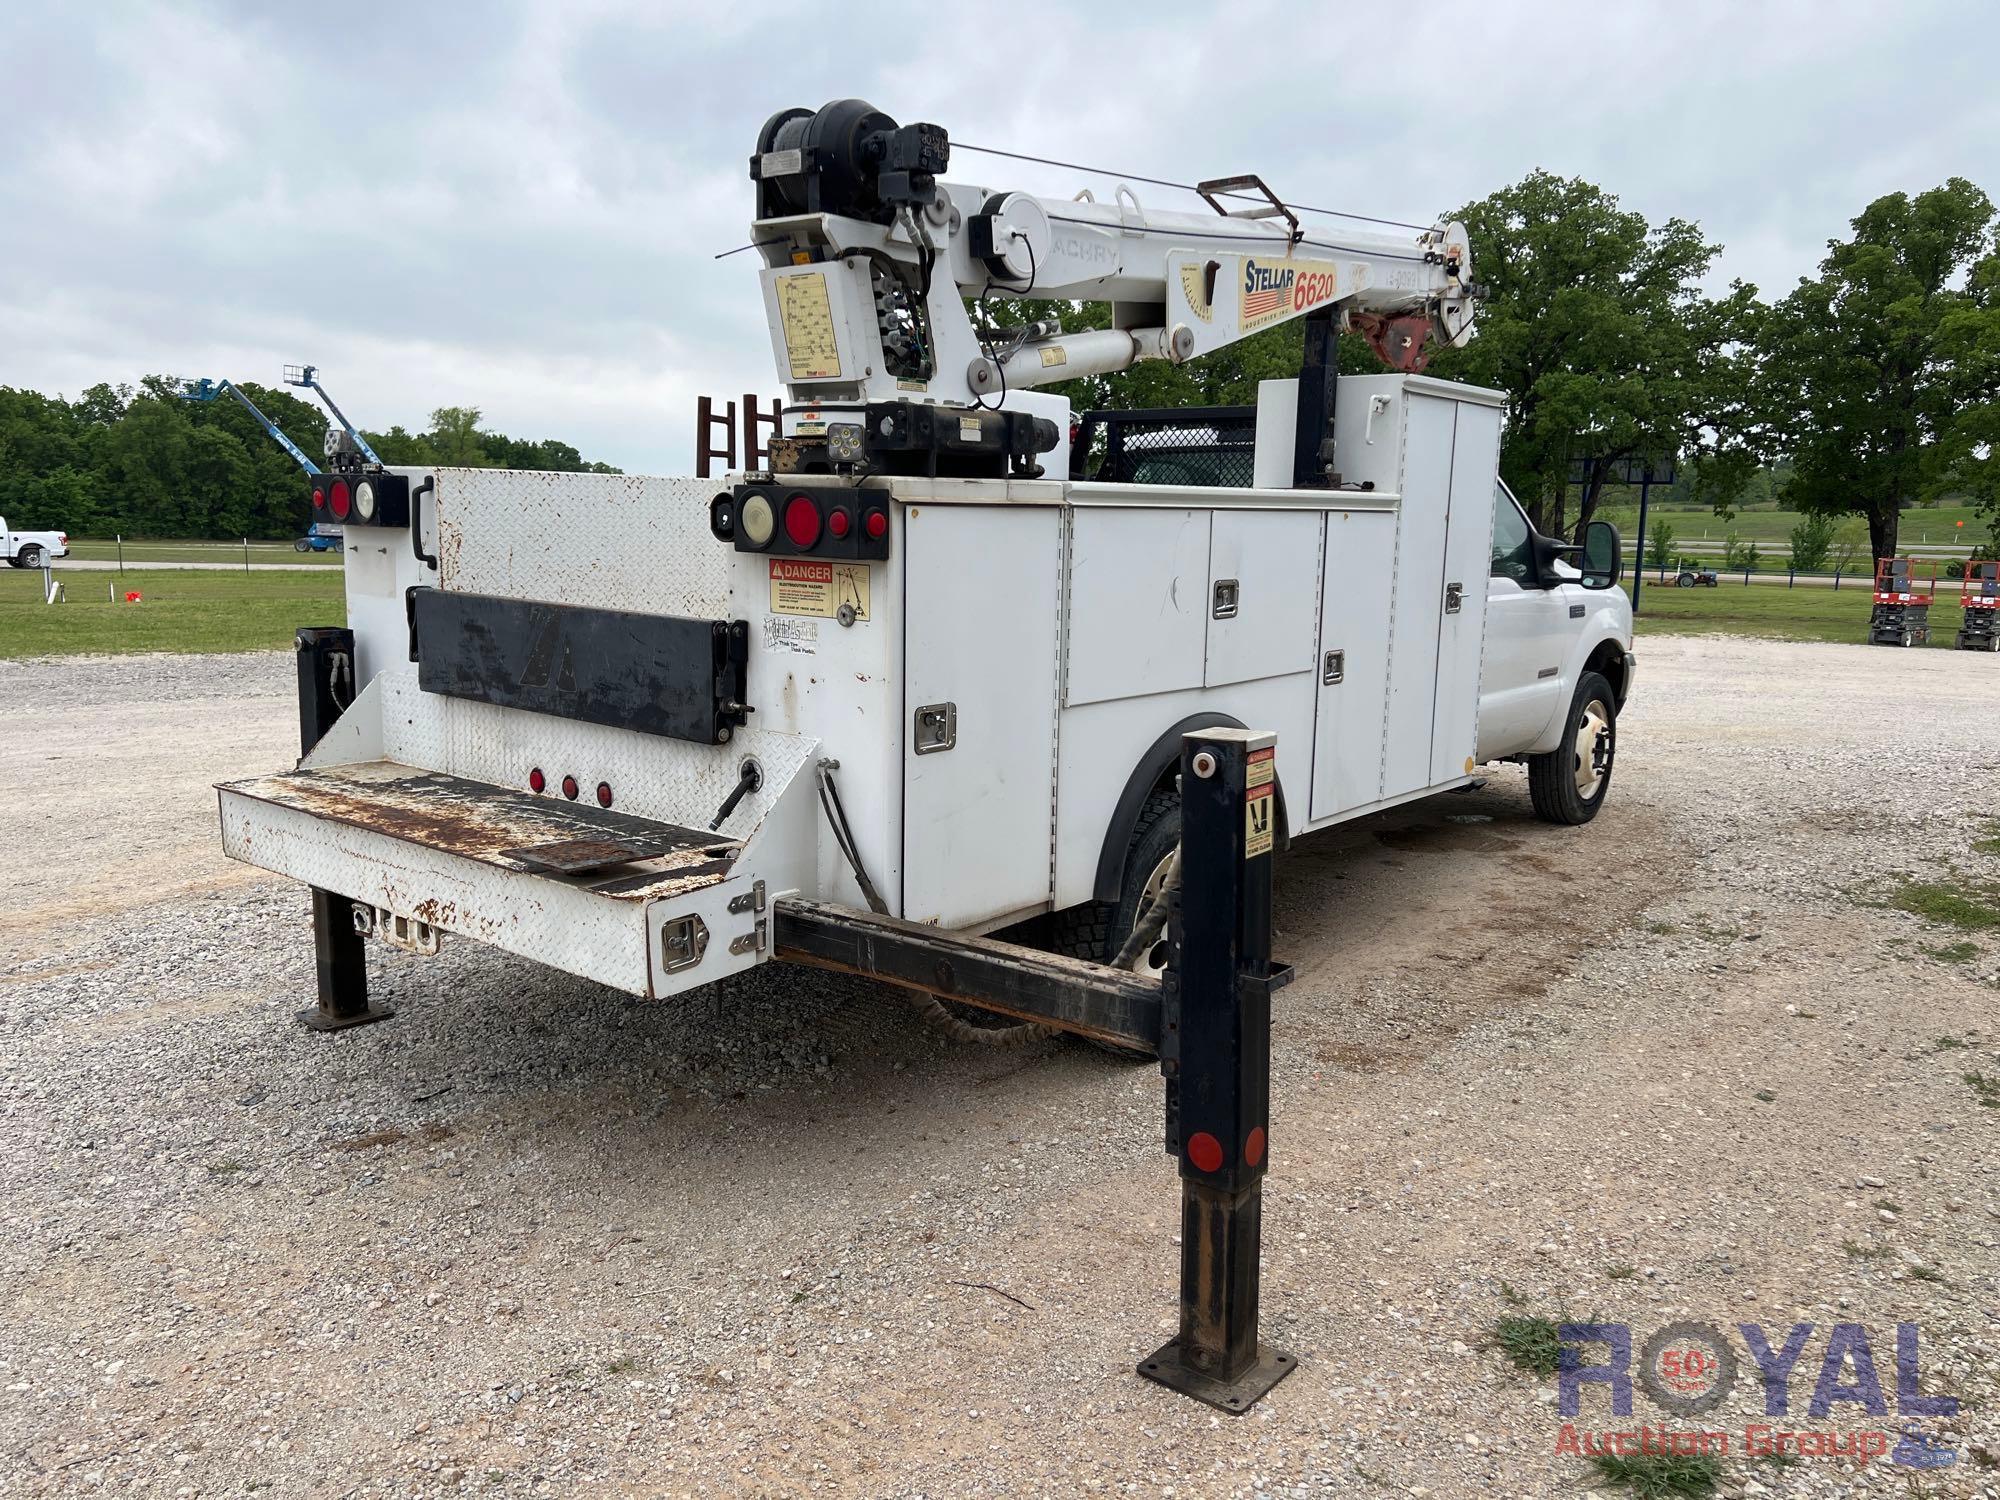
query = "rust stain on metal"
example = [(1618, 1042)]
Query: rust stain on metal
[(496, 826)]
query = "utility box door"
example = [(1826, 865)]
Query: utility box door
[(980, 615), (1263, 591), (1138, 606), (1353, 670), (1468, 557), (1419, 602)]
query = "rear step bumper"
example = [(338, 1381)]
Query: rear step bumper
[(647, 907)]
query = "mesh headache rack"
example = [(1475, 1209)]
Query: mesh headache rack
[(1204, 447)]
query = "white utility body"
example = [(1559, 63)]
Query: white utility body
[(958, 682)]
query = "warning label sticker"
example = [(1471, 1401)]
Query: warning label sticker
[(1258, 821), (1261, 770), (800, 586)]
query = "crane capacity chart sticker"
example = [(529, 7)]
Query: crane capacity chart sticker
[(1259, 784), (800, 586), (812, 348)]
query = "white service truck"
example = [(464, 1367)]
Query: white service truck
[(31, 549), (910, 681)]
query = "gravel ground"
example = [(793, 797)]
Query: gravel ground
[(536, 1238)]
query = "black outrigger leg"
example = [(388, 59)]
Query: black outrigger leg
[(1215, 1052), (326, 687)]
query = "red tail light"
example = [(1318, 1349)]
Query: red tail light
[(839, 523), (876, 524), (603, 794), (536, 780), (802, 520), (570, 787), (319, 498), (340, 500)]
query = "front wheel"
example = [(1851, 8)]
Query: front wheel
[(1568, 785), (31, 556)]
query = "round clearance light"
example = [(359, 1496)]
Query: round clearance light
[(340, 500), (722, 517), (364, 500), (537, 781), (802, 520), (603, 794), (319, 498), (757, 520), (876, 524), (570, 787), (840, 523)]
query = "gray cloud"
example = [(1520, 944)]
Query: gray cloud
[(517, 207)]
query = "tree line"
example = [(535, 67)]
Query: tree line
[(147, 462)]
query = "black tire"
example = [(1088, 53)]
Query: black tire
[(1685, 581), (31, 556), (1553, 779), (302, 545), (1096, 930)]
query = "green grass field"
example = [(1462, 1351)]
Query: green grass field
[(193, 610), (182, 610), (1773, 528), (103, 549), (1801, 614)]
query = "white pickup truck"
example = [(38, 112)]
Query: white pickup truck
[(30, 549)]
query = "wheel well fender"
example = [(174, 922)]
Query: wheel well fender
[(1607, 658), (1155, 772)]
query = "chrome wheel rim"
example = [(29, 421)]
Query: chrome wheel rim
[(1593, 747), (1153, 961)]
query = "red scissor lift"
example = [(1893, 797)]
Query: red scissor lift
[(1979, 600), (1903, 594)]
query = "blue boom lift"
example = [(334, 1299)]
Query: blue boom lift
[(208, 390)]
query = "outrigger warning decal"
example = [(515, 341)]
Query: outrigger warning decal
[(1273, 290)]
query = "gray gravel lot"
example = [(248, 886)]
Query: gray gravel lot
[(536, 1238)]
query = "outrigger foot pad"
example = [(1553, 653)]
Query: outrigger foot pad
[(315, 1019), (1233, 1396)]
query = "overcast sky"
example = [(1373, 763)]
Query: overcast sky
[(515, 207)]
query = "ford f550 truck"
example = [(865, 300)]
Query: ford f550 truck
[(910, 679)]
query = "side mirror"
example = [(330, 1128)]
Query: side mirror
[(1603, 561)]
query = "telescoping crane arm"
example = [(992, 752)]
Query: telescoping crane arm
[(869, 259), (208, 390)]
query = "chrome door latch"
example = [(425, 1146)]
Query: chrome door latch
[(1227, 595), (1335, 670), (937, 728), (1454, 596)]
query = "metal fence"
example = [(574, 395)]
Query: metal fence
[(1202, 447)]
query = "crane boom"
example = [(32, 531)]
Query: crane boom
[(869, 260)]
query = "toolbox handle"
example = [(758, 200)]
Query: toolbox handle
[(417, 520)]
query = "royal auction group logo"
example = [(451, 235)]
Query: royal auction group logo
[(1688, 1369)]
